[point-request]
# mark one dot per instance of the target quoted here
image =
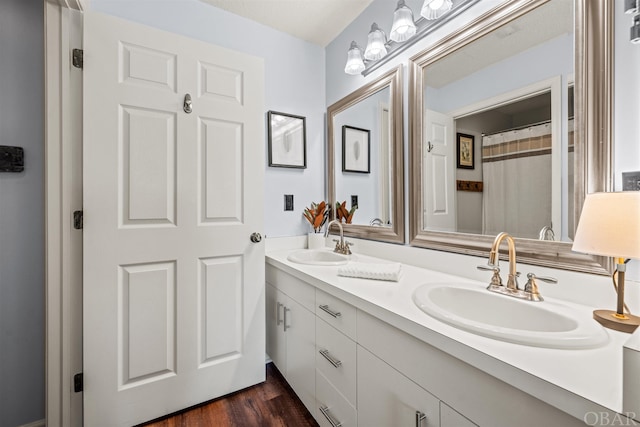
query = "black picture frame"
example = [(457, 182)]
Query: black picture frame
[(287, 140), (356, 149), (465, 156)]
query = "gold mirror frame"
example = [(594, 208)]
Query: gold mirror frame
[(593, 127), (395, 233)]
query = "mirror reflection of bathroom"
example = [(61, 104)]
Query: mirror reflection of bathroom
[(370, 184), (509, 187), (507, 97)]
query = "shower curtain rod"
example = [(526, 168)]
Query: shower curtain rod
[(544, 122)]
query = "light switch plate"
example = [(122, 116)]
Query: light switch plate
[(288, 202), (631, 181)]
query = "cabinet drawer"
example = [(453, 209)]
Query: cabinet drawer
[(331, 405), (337, 313), (293, 287), (336, 359)]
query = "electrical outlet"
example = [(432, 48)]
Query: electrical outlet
[(631, 181), (288, 202), (354, 201)]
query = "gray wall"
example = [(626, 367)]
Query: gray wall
[(22, 214)]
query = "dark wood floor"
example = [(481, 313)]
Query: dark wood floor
[(272, 403)]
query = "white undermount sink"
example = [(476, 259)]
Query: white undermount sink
[(318, 257), (547, 323)]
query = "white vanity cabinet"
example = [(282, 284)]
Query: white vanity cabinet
[(291, 338), (374, 374)]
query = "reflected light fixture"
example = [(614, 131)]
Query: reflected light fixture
[(434, 9), (631, 7), (403, 27), (610, 226), (635, 29), (376, 41), (355, 63)]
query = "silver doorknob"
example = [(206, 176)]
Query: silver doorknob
[(256, 237)]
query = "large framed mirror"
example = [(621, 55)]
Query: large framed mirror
[(365, 159), (523, 95)]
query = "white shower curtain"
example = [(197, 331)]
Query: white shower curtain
[(516, 168)]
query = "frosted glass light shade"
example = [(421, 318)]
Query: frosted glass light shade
[(376, 40), (403, 27), (630, 6), (610, 225), (355, 64), (434, 9)]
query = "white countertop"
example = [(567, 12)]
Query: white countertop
[(574, 381)]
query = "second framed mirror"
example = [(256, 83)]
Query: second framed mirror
[(510, 122), (365, 160)]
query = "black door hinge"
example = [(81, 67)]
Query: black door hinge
[(78, 383), (77, 58), (77, 220)]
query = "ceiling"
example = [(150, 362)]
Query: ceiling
[(316, 21)]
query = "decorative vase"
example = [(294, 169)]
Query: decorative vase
[(316, 241)]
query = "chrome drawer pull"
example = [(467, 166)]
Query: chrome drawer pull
[(420, 417), (284, 323), (327, 415), (335, 362), (330, 312), (278, 319)]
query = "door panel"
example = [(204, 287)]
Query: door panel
[(439, 172), (173, 287)]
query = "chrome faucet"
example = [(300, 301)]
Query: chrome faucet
[(342, 247), (546, 233), (530, 291)]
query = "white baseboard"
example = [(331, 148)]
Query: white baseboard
[(39, 423)]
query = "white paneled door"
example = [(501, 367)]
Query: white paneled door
[(173, 190), (439, 178)]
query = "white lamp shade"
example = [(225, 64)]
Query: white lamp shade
[(610, 225), (403, 27), (434, 9), (375, 44), (355, 64)]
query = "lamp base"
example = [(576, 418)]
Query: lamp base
[(612, 320)]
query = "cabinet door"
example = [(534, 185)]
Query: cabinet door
[(276, 344), (301, 357), (451, 418), (388, 398)]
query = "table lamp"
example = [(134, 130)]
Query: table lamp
[(609, 225)]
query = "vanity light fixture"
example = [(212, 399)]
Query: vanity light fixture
[(404, 33), (434, 9), (609, 226), (355, 63), (376, 41), (403, 27)]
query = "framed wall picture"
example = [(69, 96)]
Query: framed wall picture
[(355, 150), (464, 152), (287, 139)]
